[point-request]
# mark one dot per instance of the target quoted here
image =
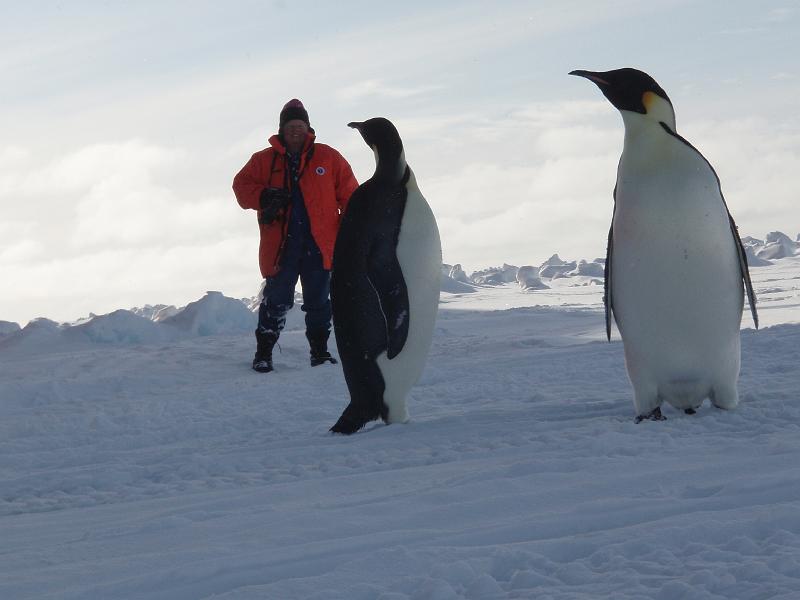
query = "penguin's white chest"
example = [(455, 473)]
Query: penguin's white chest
[(419, 252), (677, 289)]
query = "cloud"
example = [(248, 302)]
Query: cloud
[(538, 178), (126, 220), (520, 186), (127, 162), (544, 178), (757, 160), (64, 289), (376, 87), (780, 15), (742, 31), (116, 195), (105, 219), (120, 181), (13, 156), (21, 251)]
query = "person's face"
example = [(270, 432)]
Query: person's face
[(294, 133)]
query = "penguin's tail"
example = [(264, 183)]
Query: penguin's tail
[(685, 393)]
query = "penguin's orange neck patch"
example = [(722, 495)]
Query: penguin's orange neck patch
[(649, 100)]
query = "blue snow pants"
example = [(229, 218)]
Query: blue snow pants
[(279, 292)]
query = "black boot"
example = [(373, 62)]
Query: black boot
[(265, 342), (318, 342)]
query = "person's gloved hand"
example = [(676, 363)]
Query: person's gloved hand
[(273, 201)]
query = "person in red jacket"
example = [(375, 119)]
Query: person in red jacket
[(300, 189)]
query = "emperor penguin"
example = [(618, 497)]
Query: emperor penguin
[(385, 284), (675, 265)]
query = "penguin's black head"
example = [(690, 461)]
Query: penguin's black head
[(380, 134), (382, 137), (632, 90)]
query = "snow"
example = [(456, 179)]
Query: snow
[(588, 269), (528, 279), (213, 314), (753, 260), (456, 272), (778, 245), (495, 276), (455, 280), (157, 312), (555, 267), (144, 459), (7, 327)]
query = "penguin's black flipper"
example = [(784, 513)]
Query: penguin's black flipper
[(384, 272), (607, 282), (607, 271), (748, 285), (386, 277)]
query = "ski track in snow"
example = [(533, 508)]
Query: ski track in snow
[(172, 471)]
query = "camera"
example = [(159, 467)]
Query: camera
[(273, 200)]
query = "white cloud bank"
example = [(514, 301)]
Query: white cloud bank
[(115, 169), (511, 189)]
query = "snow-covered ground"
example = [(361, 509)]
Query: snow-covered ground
[(146, 460)]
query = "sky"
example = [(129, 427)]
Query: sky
[(123, 125)]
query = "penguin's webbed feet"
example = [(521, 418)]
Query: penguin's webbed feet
[(653, 415), (352, 421)]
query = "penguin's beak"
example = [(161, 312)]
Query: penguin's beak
[(355, 125), (591, 76)]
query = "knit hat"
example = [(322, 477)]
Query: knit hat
[(292, 110)]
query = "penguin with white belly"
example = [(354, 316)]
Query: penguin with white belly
[(385, 285), (675, 265)]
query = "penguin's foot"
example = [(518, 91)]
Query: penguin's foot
[(690, 411), (352, 421), (653, 415)]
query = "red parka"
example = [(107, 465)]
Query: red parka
[(326, 181)]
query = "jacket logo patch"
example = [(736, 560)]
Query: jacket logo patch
[(320, 170)]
